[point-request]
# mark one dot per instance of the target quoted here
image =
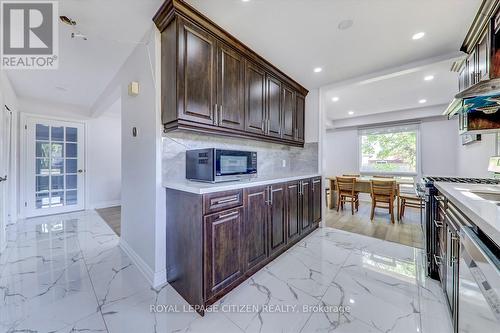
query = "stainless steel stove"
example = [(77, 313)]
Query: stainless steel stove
[(427, 192)]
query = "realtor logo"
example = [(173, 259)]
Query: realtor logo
[(29, 35)]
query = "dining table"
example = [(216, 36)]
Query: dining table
[(363, 186)]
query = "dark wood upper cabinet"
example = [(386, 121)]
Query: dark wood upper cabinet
[(223, 246), (212, 83), (197, 68), (230, 88), (288, 113), (293, 210), (305, 191), (255, 98), (274, 117), (300, 104), (255, 226), (277, 217), (483, 56), (316, 200)]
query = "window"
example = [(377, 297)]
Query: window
[(389, 150)]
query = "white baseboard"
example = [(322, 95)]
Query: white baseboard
[(155, 279), (105, 204)]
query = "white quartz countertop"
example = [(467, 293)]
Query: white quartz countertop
[(482, 212), (203, 188)]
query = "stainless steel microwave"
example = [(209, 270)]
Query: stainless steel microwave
[(219, 165)]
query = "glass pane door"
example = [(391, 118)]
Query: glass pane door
[(57, 171)]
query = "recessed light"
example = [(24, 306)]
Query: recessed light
[(422, 101), (245, 0), (429, 78), (350, 113), (318, 69), (335, 99), (418, 35), (345, 24)]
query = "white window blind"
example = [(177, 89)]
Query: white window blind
[(389, 150)]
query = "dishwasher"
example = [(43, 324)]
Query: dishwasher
[(478, 282)]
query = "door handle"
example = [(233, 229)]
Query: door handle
[(80, 171), (3, 179)]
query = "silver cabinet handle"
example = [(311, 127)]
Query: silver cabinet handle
[(222, 216), (437, 260), (439, 198), (270, 195), (438, 224), (235, 198), (216, 114)]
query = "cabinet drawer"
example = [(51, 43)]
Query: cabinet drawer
[(215, 202)]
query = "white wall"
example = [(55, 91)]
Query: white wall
[(438, 149), (472, 159), (104, 161), (143, 197), (311, 125)]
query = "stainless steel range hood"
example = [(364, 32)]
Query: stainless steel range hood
[(487, 87)]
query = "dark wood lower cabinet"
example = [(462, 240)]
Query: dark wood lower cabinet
[(216, 241), (293, 210), (277, 217), (255, 226), (305, 194), (223, 239)]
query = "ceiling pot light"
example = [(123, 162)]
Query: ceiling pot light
[(350, 113), (335, 99), (318, 69), (418, 35), (429, 78), (245, 0), (345, 24), (422, 101)]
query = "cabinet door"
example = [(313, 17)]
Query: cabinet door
[(277, 217), (288, 105), (273, 99), (255, 225), (483, 57), (223, 246), (316, 200), (462, 79), (472, 67), (293, 210), (255, 112), (305, 204), (230, 88), (197, 84), (300, 105)]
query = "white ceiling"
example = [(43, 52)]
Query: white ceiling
[(299, 35), (113, 27), (393, 91), (295, 35)]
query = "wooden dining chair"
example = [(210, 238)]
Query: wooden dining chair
[(383, 193), (346, 190), (408, 198), (383, 176)]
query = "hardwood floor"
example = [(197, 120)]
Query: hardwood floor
[(112, 216), (406, 232)]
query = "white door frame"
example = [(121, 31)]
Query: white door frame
[(5, 154), (24, 210)]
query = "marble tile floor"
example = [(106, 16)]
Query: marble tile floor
[(67, 273)]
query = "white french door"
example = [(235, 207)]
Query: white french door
[(55, 167)]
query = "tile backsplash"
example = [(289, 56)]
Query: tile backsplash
[(270, 156)]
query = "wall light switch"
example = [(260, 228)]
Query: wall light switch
[(134, 131), (133, 88)]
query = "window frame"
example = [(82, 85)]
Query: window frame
[(391, 128)]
